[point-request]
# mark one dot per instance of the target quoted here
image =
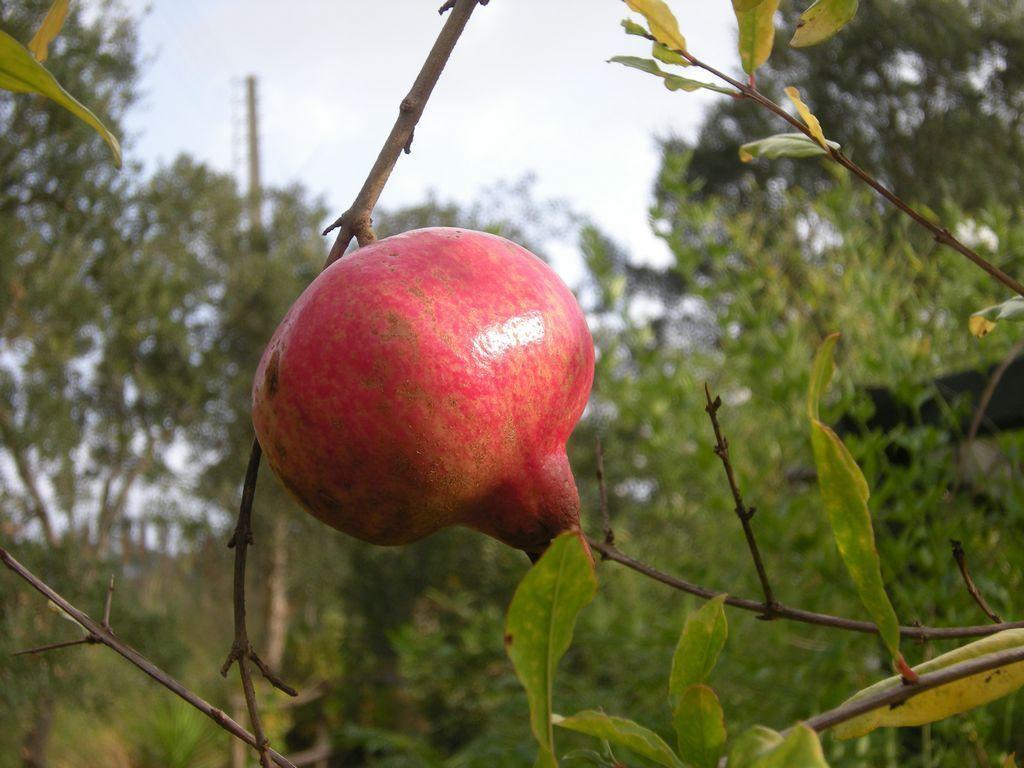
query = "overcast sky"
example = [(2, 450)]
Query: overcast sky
[(527, 91)]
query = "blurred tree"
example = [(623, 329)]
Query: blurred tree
[(926, 94)]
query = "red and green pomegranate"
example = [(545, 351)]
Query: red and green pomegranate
[(427, 380)]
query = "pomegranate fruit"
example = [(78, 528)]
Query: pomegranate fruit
[(429, 379)]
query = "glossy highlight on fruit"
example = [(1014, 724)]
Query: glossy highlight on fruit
[(429, 379)]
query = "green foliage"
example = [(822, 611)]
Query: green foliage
[(540, 623), (821, 20), (844, 494), (623, 733), (783, 145), (756, 22), (894, 87), (700, 726), (945, 700), (21, 73), (700, 643), (672, 82)]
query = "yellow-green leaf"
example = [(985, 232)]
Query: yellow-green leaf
[(48, 30), (622, 733), (700, 726), (756, 32), (844, 494), (946, 700), (806, 115), (632, 28), (662, 22), (672, 82), (539, 626), (983, 321), (783, 145), (700, 642), (745, 5), (21, 73), (822, 20), (801, 748), (668, 56), (751, 744), (821, 374)]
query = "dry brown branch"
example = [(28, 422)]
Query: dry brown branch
[(356, 221), (781, 611), (961, 563), (990, 389), (97, 632), (896, 696), (744, 513), (609, 535), (942, 234)]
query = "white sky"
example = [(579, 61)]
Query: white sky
[(527, 90)]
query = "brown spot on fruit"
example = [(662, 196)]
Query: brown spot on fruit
[(270, 378)]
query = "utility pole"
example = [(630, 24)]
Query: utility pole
[(255, 196)]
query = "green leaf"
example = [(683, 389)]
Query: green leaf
[(662, 22), (48, 30), (822, 20), (539, 626), (700, 642), (623, 733), (844, 493), (632, 28), (800, 749), (783, 145), (700, 726), (757, 32), (21, 73), (946, 700), (672, 82), (663, 54), (821, 373), (984, 320), (745, 5), (751, 745)]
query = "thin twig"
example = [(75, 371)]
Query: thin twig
[(609, 535), (990, 389), (241, 648), (781, 611), (356, 220), (87, 640), (961, 563), (106, 636), (893, 697), (108, 602), (744, 513), (941, 233)]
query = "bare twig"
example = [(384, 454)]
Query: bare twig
[(961, 563), (356, 220), (105, 636), (87, 640), (744, 513), (781, 611), (241, 648), (893, 697), (108, 602), (609, 535), (990, 389), (941, 233)]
